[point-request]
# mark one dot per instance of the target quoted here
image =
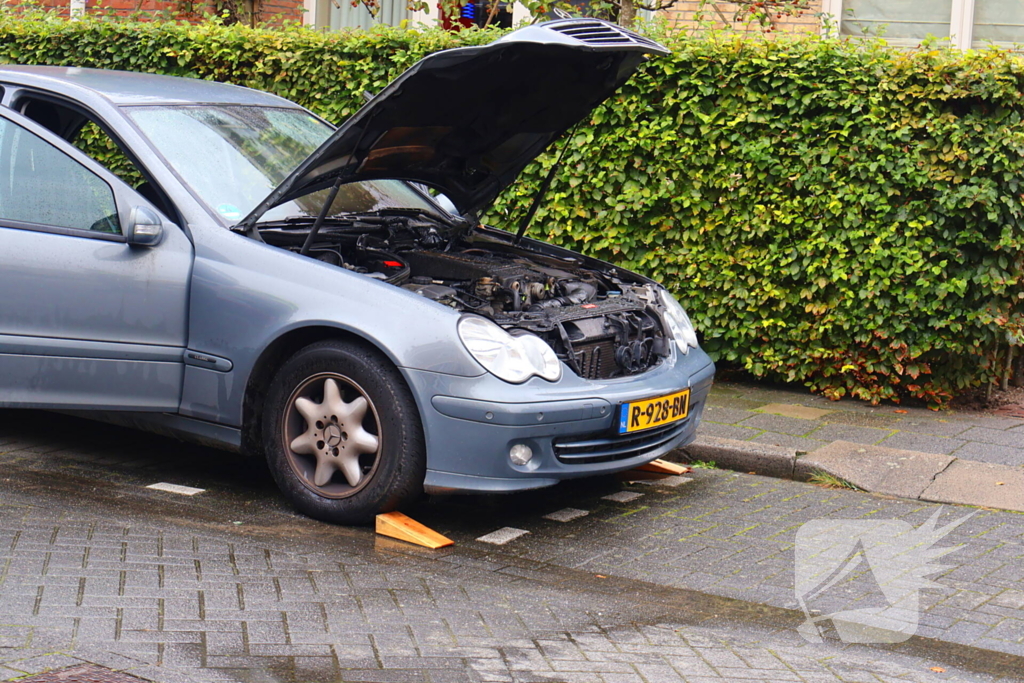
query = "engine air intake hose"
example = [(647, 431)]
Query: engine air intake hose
[(575, 293)]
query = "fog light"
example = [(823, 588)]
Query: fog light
[(520, 454)]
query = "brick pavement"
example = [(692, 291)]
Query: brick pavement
[(762, 414), (231, 586), (733, 535), (175, 604)]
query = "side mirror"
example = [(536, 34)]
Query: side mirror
[(145, 229)]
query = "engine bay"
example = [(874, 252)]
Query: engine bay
[(602, 321)]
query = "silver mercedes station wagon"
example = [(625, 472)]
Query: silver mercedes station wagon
[(243, 274)]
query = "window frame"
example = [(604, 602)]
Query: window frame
[(21, 97), (116, 185), (961, 22)]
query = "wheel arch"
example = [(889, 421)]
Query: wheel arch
[(271, 358)]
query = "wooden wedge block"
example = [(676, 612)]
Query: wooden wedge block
[(664, 467), (404, 528)]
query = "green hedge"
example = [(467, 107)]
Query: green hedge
[(843, 215)]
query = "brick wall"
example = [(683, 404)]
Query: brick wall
[(276, 11), (270, 11), (684, 12)]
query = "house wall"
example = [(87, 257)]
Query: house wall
[(903, 23), (276, 11), (684, 14), (269, 11)]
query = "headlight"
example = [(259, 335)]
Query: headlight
[(514, 359), (678, 322)]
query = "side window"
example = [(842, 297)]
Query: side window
[(89, 137), (97, 145), (40, 184)]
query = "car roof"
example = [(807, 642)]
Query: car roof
[(129, 87)]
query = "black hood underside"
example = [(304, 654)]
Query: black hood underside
[(467, 121)]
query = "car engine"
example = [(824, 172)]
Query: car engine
[(601, 321)]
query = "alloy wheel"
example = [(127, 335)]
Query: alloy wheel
[(331, 434)]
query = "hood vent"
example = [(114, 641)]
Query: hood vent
[(601, 34)]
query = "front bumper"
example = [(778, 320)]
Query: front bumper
[(470, 423)]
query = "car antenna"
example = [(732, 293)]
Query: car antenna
[(543, 190), (320, 218)]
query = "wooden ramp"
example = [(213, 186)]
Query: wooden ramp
[(657, 469), (669, 469), (405, 528)]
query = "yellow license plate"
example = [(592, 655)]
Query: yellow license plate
[(654, 412)]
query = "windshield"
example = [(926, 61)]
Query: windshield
[(232, 157)]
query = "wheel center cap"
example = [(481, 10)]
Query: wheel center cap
[(332, 435)]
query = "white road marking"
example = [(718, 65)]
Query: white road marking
[(622, 496), (667, 481), (567, 514), (175, 488), (503, 535)]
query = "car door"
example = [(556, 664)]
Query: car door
[(90, 318)]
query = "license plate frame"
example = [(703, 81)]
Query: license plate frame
[(639, 416)]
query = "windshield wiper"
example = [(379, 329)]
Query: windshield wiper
[(302, 221), (293, 221)]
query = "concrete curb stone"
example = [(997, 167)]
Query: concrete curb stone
[(891, 471), (967, 482), (743, 456), (876, 469)]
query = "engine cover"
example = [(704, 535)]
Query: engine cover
[(450, 266)]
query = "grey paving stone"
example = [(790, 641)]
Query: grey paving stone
[(723, 387), (735, 402), (987, 421), (780, 424), (938, 426), (724, 415), (1012, 598), (727, 431), (843, 432), (794, 410), (993, 436), (990, 453), (876, 419), (48, 662), (924, 443), (798, 443)]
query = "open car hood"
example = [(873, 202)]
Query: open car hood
[(467, 121)]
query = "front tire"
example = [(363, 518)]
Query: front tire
[(342, 434)]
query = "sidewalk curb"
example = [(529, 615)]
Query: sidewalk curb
[(875, 469), (742, 456)]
